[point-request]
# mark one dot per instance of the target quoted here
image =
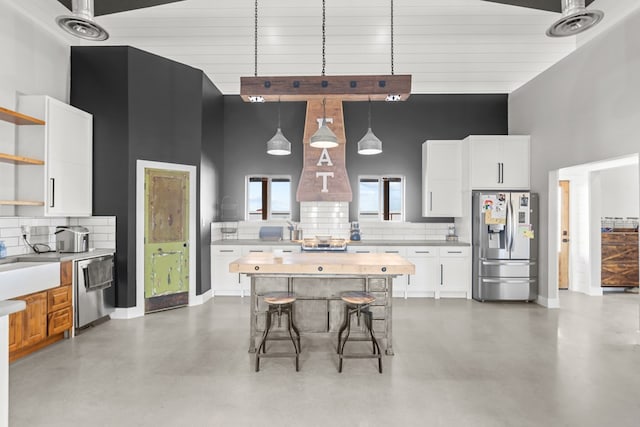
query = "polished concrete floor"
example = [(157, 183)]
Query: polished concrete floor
[(457, 363)]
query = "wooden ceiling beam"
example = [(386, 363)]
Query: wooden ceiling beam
[(347, 88)]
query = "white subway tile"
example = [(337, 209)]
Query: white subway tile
[(9, 222), (10, 232)]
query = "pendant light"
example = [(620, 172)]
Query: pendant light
[(324, 137), (369, 144), (279, 145)]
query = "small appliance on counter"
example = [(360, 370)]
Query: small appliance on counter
[(72, 238), (270, 233), (355, 232)]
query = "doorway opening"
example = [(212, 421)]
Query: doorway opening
[(608, 188)]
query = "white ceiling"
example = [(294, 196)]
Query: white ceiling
[(448, 46)]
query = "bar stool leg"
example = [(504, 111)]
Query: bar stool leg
[(348, 327), (289, 324), (342, 327), (374, 341), (295, 328), (264, 338)]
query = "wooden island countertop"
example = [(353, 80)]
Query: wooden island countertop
[(322, 263)]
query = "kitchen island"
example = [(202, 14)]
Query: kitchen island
[(318, 279)]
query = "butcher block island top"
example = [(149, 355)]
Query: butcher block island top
[(322, 264)]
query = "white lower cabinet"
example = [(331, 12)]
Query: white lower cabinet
[(222, 281), (245, 281), (423, 283), (455, 274), (399, 282)]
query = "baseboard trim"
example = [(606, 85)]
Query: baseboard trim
[(201, 299), (548, 302), (127, 313)]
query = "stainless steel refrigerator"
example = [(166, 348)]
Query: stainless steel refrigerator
[(505, 248)]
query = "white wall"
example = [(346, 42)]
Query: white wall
[(583, 109), (620, 191), (32, 61)]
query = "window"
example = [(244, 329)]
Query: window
[(381, 198), (268, 197)]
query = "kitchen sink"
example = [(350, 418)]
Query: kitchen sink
[(19, 278)]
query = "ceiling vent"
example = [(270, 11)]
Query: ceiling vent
[(575, 19), (81, 23)]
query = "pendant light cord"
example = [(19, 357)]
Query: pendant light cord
[(255, 41), (369, 112), (324, 37), (392, 72)]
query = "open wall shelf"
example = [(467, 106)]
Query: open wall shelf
[(18, 118), (20, 203), (10, 158)]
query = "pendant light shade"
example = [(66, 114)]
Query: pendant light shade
[(369, 144), (279, 145), (324, 137)]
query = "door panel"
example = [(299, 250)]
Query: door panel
[(490, 234), (523, 210), (563, 258), (166, 238)]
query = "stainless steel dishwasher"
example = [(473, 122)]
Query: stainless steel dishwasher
[(93, 277)]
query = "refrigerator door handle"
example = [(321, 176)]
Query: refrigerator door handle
[(508, 228), (499, 172), (523, 280), (510, 263)]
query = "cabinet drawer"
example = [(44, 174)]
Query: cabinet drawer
[(400, 250), (454, 252), (216, 250), (58, 298), (357, 249), (59, 321), (425, 252)]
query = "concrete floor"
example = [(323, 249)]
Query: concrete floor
[(457, 363)]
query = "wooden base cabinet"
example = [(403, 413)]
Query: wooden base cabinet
[(619, 259), (46, 319)]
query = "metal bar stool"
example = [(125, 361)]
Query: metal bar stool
[(279, 303), (358, 303)]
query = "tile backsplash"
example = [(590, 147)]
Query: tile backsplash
[(332, 218), (102, 231)]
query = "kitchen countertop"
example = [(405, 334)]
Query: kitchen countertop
[(65, 256), (322, 264), (258, 242)]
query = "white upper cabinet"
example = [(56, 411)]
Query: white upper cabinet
[(66, 143), (499, 162), (442, 179)]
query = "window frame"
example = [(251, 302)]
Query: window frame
[(382, 198), (269, 179)]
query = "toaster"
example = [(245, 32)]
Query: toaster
[(72, 238)]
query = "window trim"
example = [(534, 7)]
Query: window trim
[(270, 179), (381, 198)]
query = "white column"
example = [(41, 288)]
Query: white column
[(6, 308)]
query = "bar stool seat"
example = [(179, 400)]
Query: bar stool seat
[(358, 302), (279, 303)]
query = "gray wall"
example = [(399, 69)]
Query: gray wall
[(583, 109), (150, 108), (402, 127)]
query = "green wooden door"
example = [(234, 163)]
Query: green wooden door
[(166, 235)]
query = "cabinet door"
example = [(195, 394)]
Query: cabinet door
[(455, 276), (35, 318), (69, 133), (399, 289), (224, 282), (442, 179), (59, 321), (58, 298), (486, 159), (515, 162), (244, 280), (423, 283), (16, 328)]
